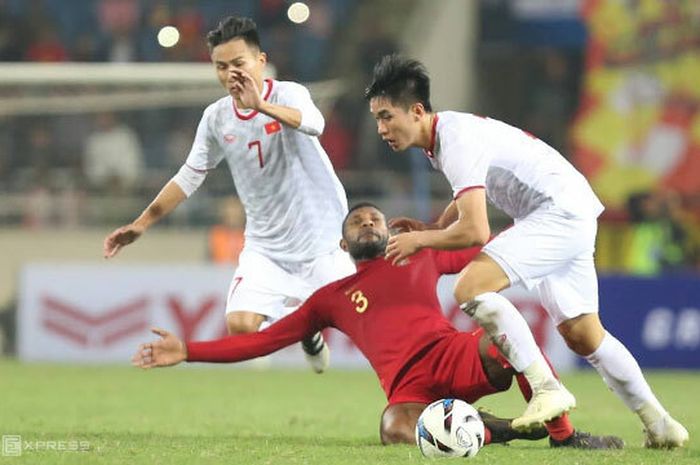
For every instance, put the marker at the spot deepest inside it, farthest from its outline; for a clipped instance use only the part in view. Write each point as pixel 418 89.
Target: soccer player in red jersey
pixel 392 313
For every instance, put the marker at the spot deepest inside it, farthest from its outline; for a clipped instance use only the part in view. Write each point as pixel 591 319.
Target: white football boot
pixel 547 402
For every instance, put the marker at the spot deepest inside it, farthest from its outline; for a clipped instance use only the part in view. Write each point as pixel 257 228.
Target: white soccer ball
pixel 450 428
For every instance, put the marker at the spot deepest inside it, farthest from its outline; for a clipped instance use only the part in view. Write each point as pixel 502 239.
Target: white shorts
pixel 275 289
pixel 552 251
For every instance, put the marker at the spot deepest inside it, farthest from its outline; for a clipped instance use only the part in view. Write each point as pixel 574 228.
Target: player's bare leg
pixel 398 426
pixel 398 423
pixel 476 291
pixel 586 336
pixel 241 322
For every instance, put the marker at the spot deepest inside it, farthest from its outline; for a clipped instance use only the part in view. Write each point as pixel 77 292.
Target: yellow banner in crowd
pixel 638 126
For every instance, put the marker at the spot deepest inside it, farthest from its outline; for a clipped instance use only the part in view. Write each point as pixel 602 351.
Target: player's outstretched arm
pixel 167 199
pixel 167 351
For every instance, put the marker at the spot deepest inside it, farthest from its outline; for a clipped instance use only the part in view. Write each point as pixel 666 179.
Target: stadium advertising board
pixel 658 319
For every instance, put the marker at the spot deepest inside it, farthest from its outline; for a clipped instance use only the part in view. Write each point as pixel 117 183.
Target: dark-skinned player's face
pixel 365 234
pixel 236 54
pixel 396 125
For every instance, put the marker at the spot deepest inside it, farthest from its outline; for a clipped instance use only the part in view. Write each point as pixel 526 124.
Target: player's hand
pixel 402 246
pixel 246 90
pixel 167 351
pixel 119 238
pixel 405 224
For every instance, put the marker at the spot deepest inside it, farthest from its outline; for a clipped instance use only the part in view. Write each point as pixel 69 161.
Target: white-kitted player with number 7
pixel 267 131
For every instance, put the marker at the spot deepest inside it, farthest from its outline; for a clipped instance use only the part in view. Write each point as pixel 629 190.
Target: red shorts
pixel 451 368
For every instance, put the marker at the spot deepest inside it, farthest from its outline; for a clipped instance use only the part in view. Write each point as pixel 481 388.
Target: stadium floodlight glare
pixel 168 36
pixel 298 12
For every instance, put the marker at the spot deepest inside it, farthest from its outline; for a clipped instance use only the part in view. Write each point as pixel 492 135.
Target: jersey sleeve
pixel 465 162
pixel 305 321
pixel 205 153
pixel 298 97
pixel 454 261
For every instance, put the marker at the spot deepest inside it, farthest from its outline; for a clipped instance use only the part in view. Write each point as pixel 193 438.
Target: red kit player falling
pixel 417 354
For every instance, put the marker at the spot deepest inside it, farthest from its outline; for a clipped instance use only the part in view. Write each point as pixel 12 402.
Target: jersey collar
pixel 364 264
pixel 430 152
pixel 267 90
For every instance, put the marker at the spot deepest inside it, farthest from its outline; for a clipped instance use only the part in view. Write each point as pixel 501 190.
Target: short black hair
pixel 357 206
pixel 234 27
pixel 403 81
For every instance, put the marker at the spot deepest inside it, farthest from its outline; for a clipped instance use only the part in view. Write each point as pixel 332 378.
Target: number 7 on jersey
pixel 260 155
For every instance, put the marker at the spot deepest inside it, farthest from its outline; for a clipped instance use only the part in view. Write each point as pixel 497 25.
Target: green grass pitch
pixel 233 416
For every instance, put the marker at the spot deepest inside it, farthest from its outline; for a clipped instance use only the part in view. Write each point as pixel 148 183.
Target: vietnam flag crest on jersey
pixel 273 127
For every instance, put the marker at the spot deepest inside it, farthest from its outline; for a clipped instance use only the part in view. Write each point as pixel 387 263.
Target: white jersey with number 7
pixel 293 200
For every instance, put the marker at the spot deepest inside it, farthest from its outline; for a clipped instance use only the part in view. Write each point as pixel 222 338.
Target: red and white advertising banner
pixel 100 313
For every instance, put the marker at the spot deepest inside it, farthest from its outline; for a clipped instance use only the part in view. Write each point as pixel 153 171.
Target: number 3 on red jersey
pixel 359 298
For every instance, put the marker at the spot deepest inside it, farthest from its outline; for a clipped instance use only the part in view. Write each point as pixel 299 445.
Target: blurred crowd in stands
pixel 55 164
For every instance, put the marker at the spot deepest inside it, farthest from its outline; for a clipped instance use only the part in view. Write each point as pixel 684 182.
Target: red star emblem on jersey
pixel 273 127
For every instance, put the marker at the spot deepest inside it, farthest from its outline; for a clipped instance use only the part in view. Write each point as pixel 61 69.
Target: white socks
pixel 507 328
pixel 621 372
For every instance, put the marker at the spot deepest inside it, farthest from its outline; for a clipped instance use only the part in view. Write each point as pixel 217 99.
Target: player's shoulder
pixel 455 120
pixel 288 87
pixel 217 107
pixel 458 129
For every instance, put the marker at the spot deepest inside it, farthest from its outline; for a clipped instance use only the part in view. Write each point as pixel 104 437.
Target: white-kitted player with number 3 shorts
pixel 267 131
pixel 549 248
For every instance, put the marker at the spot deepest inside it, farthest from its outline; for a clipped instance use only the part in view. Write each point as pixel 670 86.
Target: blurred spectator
pixel 190 22
pixel 46 46
pixel 112 158
pixel 226 239
pixel 661 236
pixel 119 20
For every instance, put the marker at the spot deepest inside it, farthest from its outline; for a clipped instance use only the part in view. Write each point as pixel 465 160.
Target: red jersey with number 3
pixel 390 312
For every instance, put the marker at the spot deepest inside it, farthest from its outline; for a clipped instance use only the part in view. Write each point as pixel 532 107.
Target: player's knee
pixel 499 374
pixel 243 322
pixel 583 335
pixel 466 288
pixel 399 423
pixel 396 430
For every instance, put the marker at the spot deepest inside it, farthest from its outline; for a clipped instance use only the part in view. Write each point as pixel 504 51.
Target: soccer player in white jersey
pixel 549 248
pixel 267 131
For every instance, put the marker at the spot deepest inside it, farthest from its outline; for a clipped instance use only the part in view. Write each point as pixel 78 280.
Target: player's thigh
pixel 398 422
pixel 570 291
pixel 328 268
pixel 462 366
pixel 259 286
pixel 481 275
pixel 540 244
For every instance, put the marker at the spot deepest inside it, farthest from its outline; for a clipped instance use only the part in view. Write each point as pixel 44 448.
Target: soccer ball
pixel 450 428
